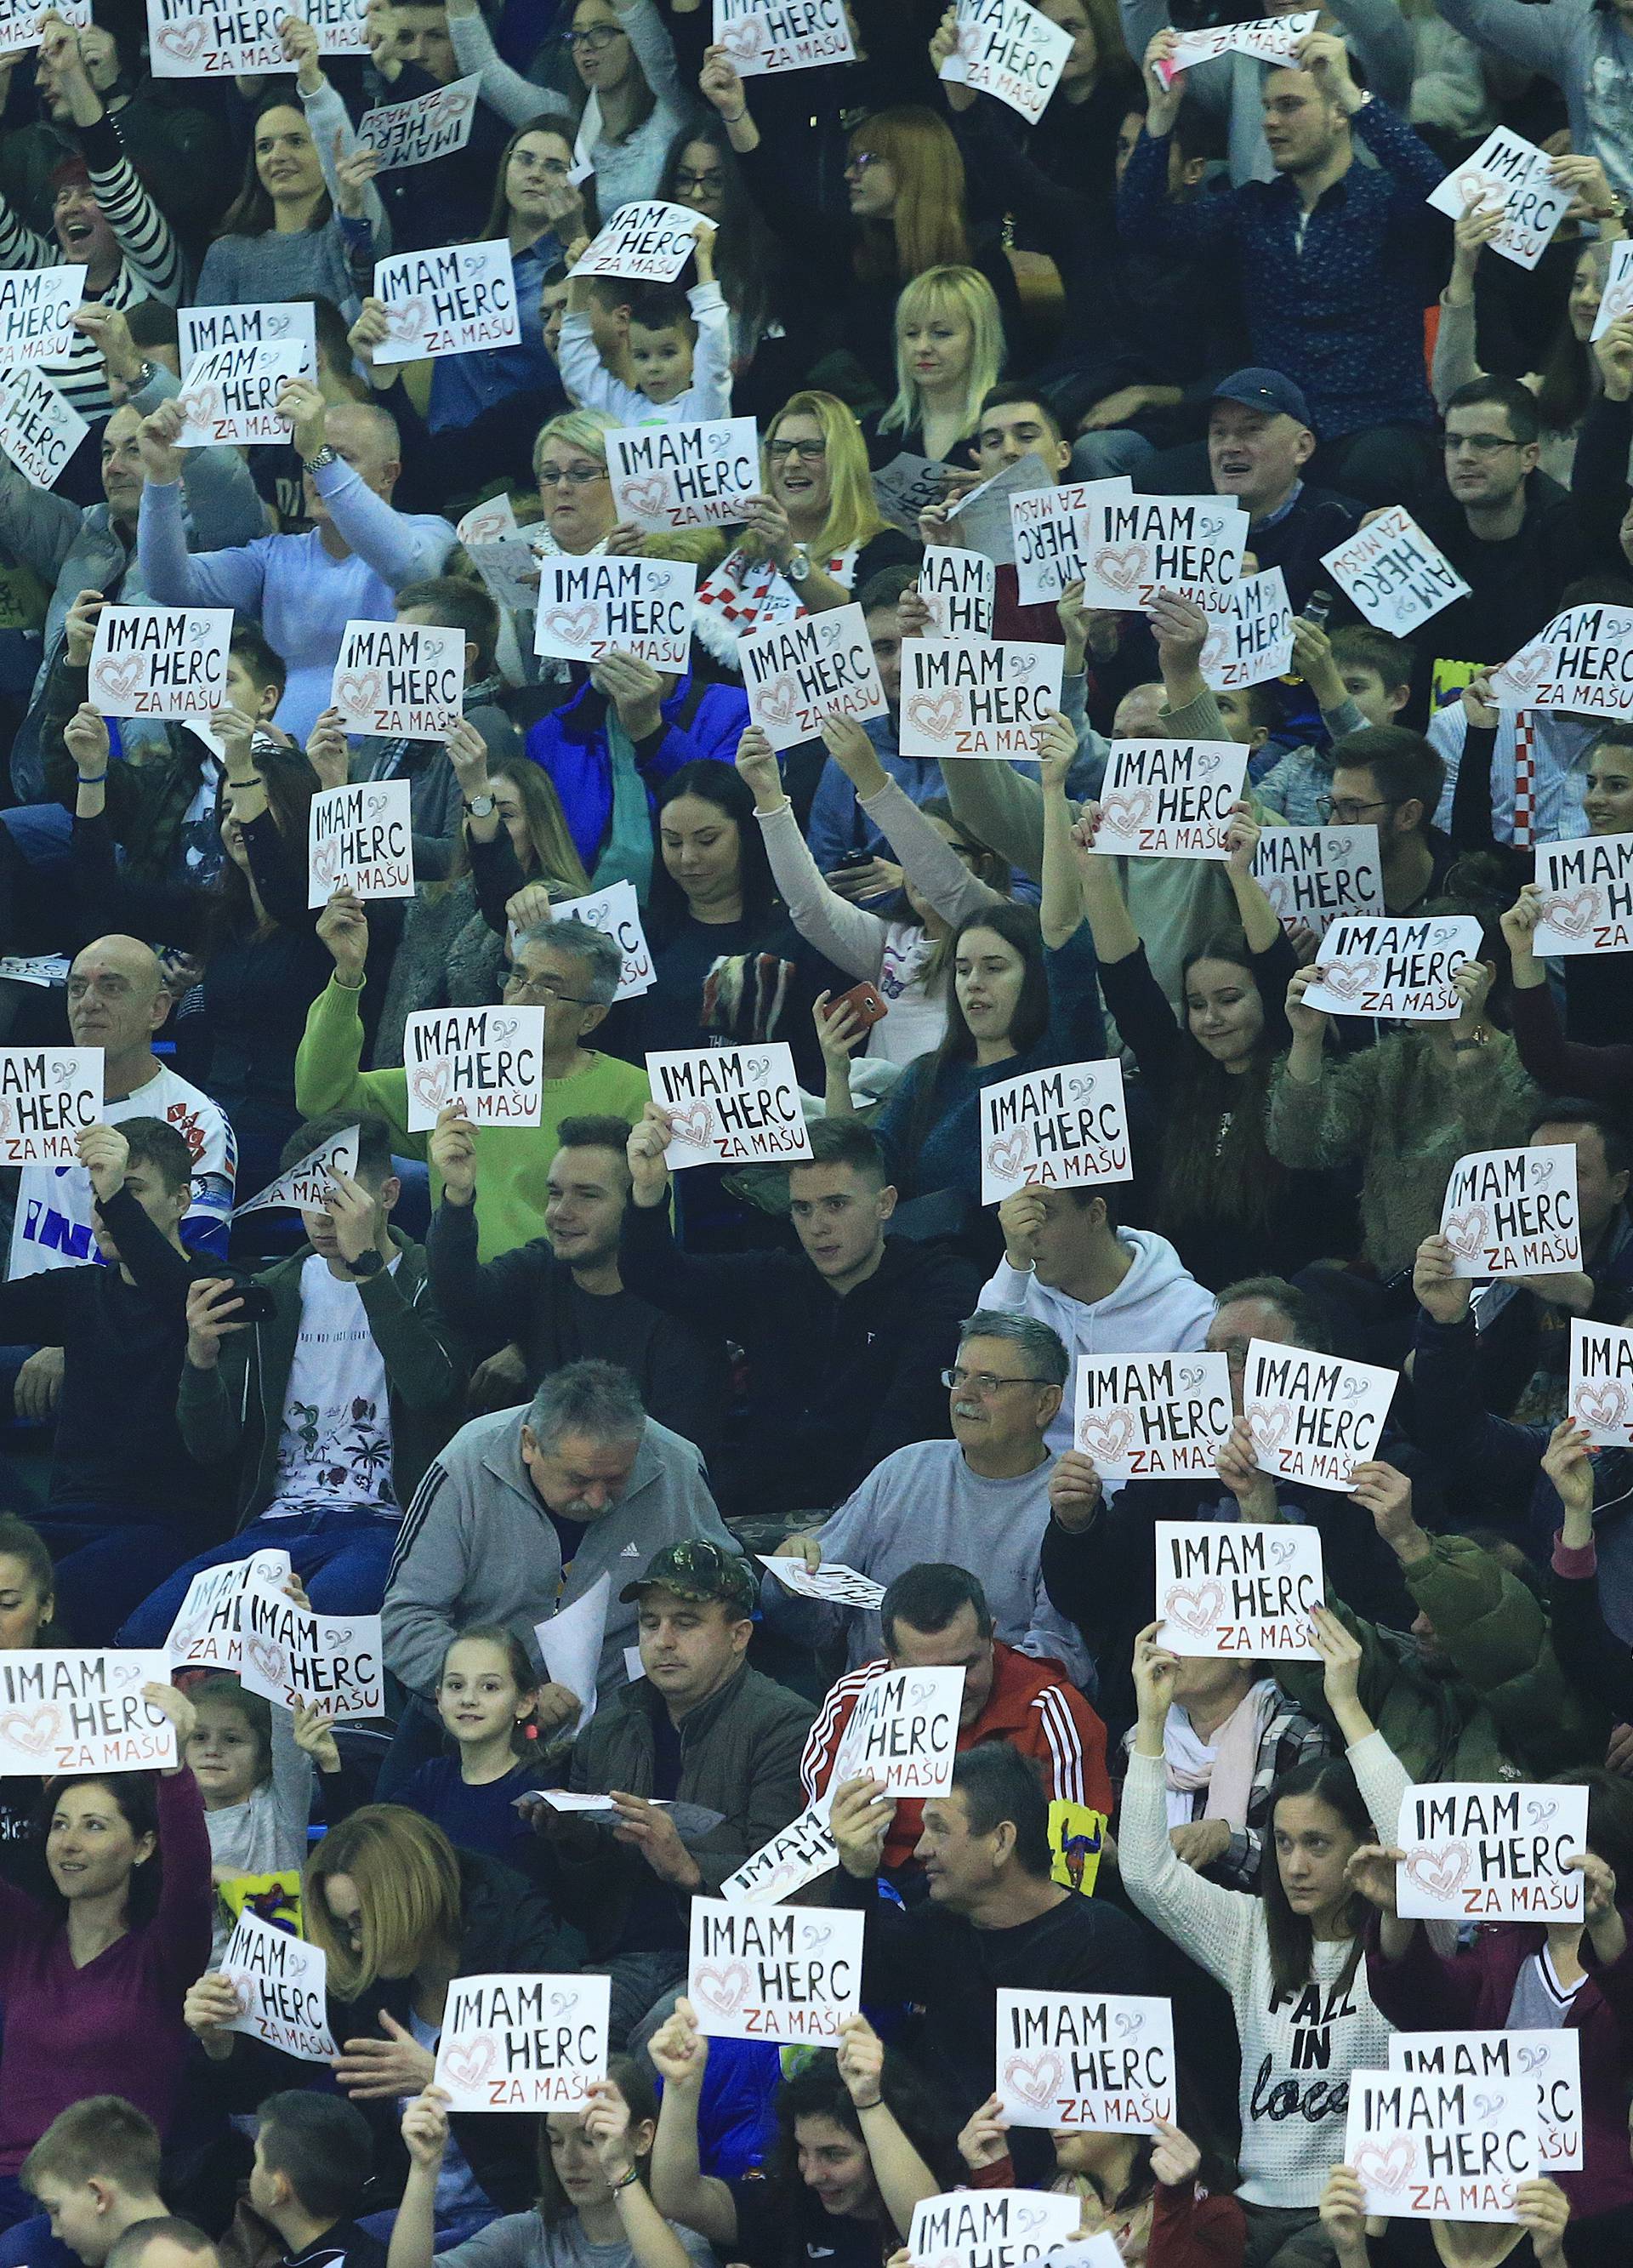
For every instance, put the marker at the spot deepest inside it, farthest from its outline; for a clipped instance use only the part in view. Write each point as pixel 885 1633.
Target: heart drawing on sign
pixel 1387 2168
pixel 185 41
pixel 778 698
pixel 1126 814
pixel 407 318
pixel 1266 1422
pixel 242 1986
pixel 1033 2078
pixel 358 691
pixel 693 1124
pixel 429 1083
pixel 1198 1610
pixel 32 1732
pixel 936 719
pixel 725 1989
pixel 1441 1873
pixel 742 41
pixel 1349 979
pixel 577 624
pixel 1467 1231
pixel 1106 1434
pixel 1578 915
pixel 648 497
pixel 325 860
pixel 1013 1152
pixel 467 2063
pixel 1124 570
pixel 1604 1405
pixel 119 678
pixel 270 1659
pixel 199 405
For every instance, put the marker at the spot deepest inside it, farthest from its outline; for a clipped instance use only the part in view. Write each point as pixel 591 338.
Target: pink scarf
pixel 1224 1766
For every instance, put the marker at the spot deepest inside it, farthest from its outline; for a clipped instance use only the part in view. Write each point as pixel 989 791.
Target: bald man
pixel 303 589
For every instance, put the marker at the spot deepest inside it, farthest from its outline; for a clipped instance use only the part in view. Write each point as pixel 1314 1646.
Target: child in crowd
pixel 94 2173
pixel 1359 676
pixel 486 1697
pixel 252 1764
pixel 677 349
pixel 313 2156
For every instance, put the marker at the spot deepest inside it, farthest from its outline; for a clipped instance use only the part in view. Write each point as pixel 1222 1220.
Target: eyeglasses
pixel 573 476
pixel 983 1383
pixel 1347 812
pixel 1483 444
pixel 553 169
pixel 779 451
pixel 597 37
pixel 542 989
pixel 690 184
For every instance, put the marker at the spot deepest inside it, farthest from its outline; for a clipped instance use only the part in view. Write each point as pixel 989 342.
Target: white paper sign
pixel 160 662
pixel 1250 637
pixel 1272 38
pixel 258 323
pixel 797 674
pixel 1003 2228
pixel 1315 876
pixel 648 240
pixel 784 1973
pixel 1513 1212
pixel 968 696
pixel 459 300
pixel 1049 537
pixel 527 2042
pixel 489 1060
pixel 1493 1850
pixel 1509 172
pixel 803 1852
pixel 601 605
pixel 208 1631
pixel 617 910
pixel 281 1985
pixel 1600 1391
pixel 424 127
pixel 1396 968
pixel 1170 799
pixel 570 1645
pixel 43 968
pixel 684 475
pixel 1393 574
pixel 400 680
pixel 1429 2150
pixel 907 486
pixel 1153 1417
pixel 728 1106
pixel 1616 299
pixel 213 39
pixel 1101 2062
pixel 1055 1129
pixel 39 430
pixel 833 1580
pixel 230 395
pixel 960 589
pixel 1011 50
pixel 765 36
pixel 501 556
pixel 1581 661
pixel 292 1655
pixel 360 838
pixel 983 513
pixel 1139 548
pixel 35 307
pixel 82 1712
pixel 48 1098
pixel 1313 1417
pixel 20 22
pixel 340 25
pixel 903 1733
pixel 1228 1590
pixel 1550 2061
pixel 307 1187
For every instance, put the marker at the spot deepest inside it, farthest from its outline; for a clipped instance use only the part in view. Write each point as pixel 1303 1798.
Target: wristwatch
pixel 366 1263
pixel 480 806
pixel 799 563
pixel 325 456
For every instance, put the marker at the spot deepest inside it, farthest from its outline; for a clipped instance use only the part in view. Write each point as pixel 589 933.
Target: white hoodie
pixel 1157 1308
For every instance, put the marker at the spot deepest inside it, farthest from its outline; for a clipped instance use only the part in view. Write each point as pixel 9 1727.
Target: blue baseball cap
pixel 1267 390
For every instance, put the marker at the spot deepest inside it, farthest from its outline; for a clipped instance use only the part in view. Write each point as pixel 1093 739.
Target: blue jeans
pixel 341 1557
pixel 104 1567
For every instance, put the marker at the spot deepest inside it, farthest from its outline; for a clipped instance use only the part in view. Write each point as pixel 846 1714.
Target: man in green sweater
pixel 565 967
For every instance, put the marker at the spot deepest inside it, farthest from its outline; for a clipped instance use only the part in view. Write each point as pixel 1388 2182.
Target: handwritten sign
pixel 967 696
pixel 762 37
pixel 160 662
pixel 48 1098
pixel 616 910
pixel 360 838
pixel 1396 575
pixel 459 299
pixel 36 305
pixel 207 1632
pixel 803 1852
pixel 215 38
pixel 1153 1417
pixel 424 127
pixel 82 1712
pixel 1616 299
pixel 684 475
pixel 39 430
pixel 728 1105
pixel 1138 549
pixel 527 2042
pixel 1227 1590
pixel 797 674
pixel 1550 2061
pixel 1579 661
pixel 1313 1417
pixel 1011 50
pixel 490 1061
pixel 1049 527
pixel 1270 39
pixel 907 486
pixel 230 395
pixel 501 554
pixel 1600 1396
pixel 601 605
pixel 833 1580
pixel 340 25
pixel 1169 799
pixel 1508 172
pixel 990 2228
pixel 983 513
pixel 292 1655
pixel 960 589
pixel 1432 2149
pixel 1493 1850
pixel 201 331
pixel 1250 636
pixel 774 1972
pixel 282 1987
pixel 1315 876
pixel 1100 2061
pixel 1399 968
pixel 21 20
pixel 1055 1129
pixel 903 1733
pixel 400 680
pixel 648 240
pixel 1513 1212
pixel 307 1187
pixel 42 968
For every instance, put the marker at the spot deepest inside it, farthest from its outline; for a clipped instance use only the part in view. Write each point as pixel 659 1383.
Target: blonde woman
pixel 949 352
pixel 812 538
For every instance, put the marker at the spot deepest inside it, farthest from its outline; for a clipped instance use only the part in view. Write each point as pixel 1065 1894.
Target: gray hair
pixel 1043 1348
pixel 581 940
pixel 594 1399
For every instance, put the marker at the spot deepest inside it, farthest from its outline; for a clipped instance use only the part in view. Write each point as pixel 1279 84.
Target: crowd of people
pixel 489 1373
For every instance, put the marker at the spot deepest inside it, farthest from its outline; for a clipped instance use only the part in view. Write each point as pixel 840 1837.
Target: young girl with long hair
pixel 489 1699
pixel 701 172
pixel 949 352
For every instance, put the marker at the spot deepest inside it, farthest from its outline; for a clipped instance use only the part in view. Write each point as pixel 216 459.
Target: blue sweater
pixel 570 743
